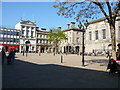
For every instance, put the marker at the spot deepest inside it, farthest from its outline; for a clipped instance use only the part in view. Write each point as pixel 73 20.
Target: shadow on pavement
pixel 23 74
pixel 102 62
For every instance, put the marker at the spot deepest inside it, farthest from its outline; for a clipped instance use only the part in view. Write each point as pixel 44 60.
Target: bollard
pixel 26 54
pixel 61 59
pixel 66 53
pixel 23 53
pixel 39 54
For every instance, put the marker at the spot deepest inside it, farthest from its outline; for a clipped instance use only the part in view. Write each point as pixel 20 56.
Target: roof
pixel 27 22
pixel 43 31
pixel 74 29
pixel 97 20
pixel 101 19
pixel 7 28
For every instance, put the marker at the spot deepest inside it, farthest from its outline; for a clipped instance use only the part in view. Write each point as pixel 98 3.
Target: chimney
pixel 59 28
pixel 72 24
pixel 43 29
pixel 68 26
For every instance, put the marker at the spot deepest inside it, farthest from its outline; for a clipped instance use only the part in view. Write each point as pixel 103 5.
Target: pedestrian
pixel 8 59
pixel 39 52
pixel 12 55
pixel 107 54
pixel 93 52
pixel 3 55
pixel 118 52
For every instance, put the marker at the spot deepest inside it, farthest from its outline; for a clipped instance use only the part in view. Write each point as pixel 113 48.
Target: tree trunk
pixel 113 41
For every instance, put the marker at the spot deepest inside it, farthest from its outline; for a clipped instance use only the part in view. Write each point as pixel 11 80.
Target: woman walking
pixel 3 55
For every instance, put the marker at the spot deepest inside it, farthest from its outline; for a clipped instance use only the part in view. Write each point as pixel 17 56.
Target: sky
pixel 43 13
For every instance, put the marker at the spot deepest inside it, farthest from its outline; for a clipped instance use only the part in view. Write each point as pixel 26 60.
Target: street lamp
pixel 83 28
pixel 54 42
pixel 23 44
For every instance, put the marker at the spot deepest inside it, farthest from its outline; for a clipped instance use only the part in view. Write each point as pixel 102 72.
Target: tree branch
pixel 109 9
pixel 101 8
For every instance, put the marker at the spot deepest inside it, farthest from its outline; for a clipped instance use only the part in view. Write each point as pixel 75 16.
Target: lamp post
pixel 23 44
pixel 54 42
pixel 83 28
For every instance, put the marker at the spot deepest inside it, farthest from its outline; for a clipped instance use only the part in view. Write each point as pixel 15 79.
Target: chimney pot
pixel 59 27
pixel 72 24
pixel 43 28
pixel 68 26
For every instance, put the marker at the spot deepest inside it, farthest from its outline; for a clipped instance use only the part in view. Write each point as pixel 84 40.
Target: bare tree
pixel 89 9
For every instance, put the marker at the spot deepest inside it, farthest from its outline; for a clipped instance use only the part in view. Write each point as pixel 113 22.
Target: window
pixel 104 33
pixel 96 35
pixel 1 39
pixel 27 33
pixel 32 34
pixel 43 41
pixel 77 33
pixel 14 33
pixel 17 33
pixel 5 32
pixel 23 32
pixel 23 27
pixel 32 28
pixel 90 35
pixel 14 40
pixel 40 41
pixel 77 39
pixel 10 40
pixel 28 27
pixel 40 36
pixel 17 40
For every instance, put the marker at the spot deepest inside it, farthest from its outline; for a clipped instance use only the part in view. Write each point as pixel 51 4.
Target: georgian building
pixel 42 40
pixel 98 35
pixel 9 38
pixel 28 31
pixel 74 42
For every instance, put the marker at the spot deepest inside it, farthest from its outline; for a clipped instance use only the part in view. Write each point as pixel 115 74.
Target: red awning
pixel 9 45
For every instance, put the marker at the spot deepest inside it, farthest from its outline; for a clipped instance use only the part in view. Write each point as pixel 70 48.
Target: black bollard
pixel 61 59
pixel 26 54
pixel 23 53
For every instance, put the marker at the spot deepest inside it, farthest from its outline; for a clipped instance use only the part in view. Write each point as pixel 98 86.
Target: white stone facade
pixel 101 41
pixel 42 41
pixel 28 33
pixel 74 42
pixel 9 38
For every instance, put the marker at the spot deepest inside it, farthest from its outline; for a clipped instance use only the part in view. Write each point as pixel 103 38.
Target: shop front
pixel 9 47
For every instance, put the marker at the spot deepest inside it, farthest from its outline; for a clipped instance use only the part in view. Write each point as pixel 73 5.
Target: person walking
pixel 118 52
pixel 12 55
pixel 3 55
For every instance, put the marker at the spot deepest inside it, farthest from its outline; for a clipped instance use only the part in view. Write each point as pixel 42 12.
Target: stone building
pixel 9 38
pixel 74 42
pixel 42 40
pixel 28 33
pixel 98 35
